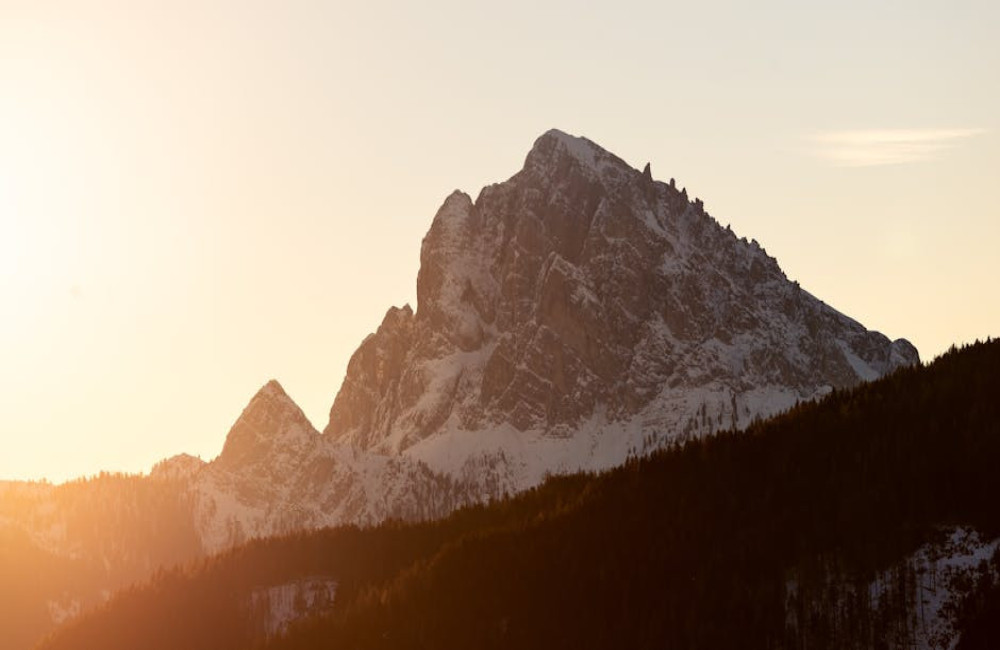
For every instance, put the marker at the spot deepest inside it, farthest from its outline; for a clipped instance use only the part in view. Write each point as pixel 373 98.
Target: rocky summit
pixel 571 317
pixel 582 311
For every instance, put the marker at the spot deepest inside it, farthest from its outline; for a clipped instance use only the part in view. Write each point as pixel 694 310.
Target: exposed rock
pixel 568 318
pixel 271 430
pixel 276 474
pixel 582 288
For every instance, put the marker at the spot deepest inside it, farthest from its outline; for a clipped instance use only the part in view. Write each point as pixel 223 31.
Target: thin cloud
pixel 887 146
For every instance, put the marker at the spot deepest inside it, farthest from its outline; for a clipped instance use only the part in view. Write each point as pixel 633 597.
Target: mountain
pixel 276 474
pixel 577 315
pixel 581 312
pixel 570 317
pixel 866 520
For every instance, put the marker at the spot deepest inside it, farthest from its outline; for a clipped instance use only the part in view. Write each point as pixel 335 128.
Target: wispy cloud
pixel 886 146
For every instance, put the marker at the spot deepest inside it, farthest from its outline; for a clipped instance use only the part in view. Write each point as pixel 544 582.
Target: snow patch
pixel 911 604
pixel 274 608
pixel 943 572
pixel 63 609
pixel 863 370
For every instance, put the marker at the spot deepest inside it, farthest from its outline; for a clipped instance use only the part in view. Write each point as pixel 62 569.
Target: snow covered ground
pixel 944 572
pixel 910 605
pixel 275 607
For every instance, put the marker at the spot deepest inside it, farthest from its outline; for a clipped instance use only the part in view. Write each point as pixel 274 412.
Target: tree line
pixel 692 547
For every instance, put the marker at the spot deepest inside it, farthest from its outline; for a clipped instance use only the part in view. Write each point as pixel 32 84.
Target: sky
pixel 197 197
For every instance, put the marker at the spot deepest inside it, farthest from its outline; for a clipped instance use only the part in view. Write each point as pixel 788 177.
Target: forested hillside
pixel 726 542
pixel 66 548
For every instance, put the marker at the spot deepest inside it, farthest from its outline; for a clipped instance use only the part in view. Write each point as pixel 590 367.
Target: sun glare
pixel 11 237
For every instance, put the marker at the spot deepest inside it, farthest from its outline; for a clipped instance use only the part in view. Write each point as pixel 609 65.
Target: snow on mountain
pixel 574 315
pixel 274 608
pixel 276 474
pixel 581 312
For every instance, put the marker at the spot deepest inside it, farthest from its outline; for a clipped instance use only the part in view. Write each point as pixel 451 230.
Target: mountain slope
pixel 67 548
pixel 816 529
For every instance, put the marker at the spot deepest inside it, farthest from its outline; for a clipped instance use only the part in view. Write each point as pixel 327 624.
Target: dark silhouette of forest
pixel 692 547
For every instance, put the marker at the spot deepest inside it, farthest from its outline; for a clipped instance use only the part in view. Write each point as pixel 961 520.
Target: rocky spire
pixel 270 422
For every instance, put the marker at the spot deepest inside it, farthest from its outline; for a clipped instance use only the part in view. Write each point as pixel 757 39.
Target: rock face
pixel 570 317
pixel 276 474
pixel 582 295
pixel 271 432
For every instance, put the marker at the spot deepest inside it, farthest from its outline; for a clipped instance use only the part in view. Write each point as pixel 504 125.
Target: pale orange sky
pixel 196 197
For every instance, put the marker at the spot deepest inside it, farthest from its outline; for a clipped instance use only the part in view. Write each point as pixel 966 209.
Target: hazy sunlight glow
pixel 198 197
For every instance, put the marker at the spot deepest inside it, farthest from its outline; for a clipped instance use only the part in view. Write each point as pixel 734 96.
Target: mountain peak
pixel 567 138
pixel 272 390
pixel 554 140
pixel 270 416
pixel 580 292
pixel 559 155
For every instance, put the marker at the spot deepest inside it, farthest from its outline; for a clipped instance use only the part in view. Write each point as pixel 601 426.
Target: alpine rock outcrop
pixel 582 311
pixel 574 315
pixel 277 474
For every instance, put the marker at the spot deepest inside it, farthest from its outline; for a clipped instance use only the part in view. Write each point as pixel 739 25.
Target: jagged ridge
pixel 582 294
pixel 574 315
